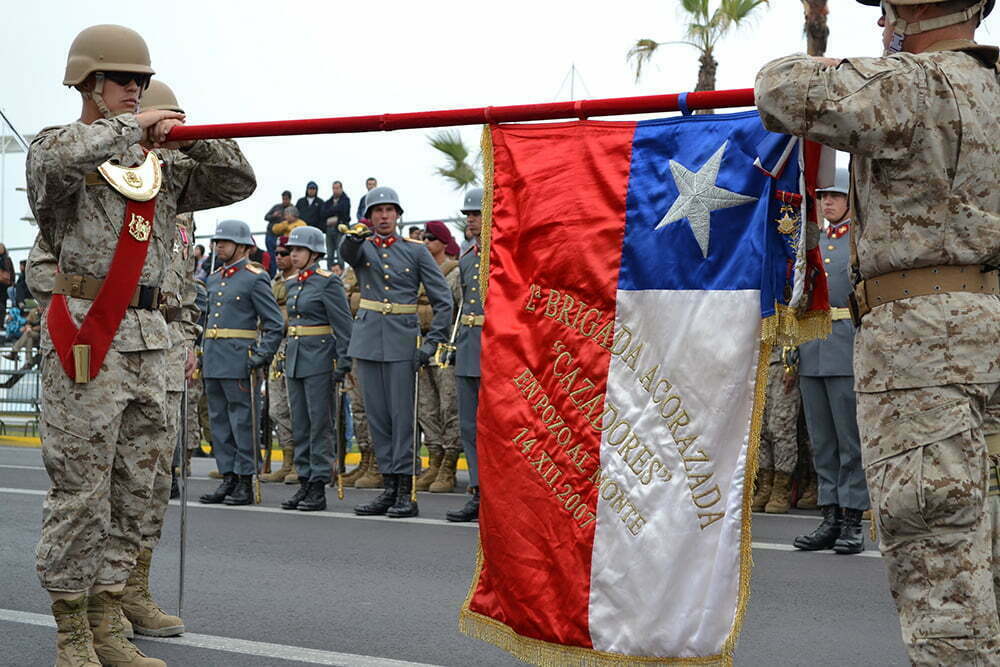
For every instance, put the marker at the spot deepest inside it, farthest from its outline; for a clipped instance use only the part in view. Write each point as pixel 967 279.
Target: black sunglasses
pixel 282 253
pixel 430 237
pixel 125 78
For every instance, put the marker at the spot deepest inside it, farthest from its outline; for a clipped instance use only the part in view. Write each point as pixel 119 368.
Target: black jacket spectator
pixel 21 291
pixel 312 211
pixel 341 208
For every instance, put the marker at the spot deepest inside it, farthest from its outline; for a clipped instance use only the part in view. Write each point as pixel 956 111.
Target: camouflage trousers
pixel 358 413
pixel 278 410
pixel 779 437
pixel 101 442
pixel 195 391
pixel 928 469
pixel 437 409
pixel 152 521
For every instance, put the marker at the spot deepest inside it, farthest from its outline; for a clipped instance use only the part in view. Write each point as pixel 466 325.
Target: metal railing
pixel 20 389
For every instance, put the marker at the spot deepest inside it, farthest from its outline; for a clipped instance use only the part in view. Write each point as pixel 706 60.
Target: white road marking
pixel 13 467
pixel 241 646
pixel 765 546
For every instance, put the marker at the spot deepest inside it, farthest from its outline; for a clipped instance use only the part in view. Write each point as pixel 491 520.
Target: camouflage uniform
pixel 101 440
pixel 778 441
pixel 437 409
pixel 922 130
pixel 179 297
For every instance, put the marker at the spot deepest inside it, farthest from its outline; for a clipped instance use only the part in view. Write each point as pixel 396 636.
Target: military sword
pixel 257 495
pixel 416 427
pixel 338 434
pixel 444 350
pixel 182 437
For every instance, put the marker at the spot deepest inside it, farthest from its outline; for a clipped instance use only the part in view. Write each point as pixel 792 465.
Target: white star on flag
pixel 699 196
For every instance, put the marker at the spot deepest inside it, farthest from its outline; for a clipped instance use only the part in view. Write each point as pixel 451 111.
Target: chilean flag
pixel 635 272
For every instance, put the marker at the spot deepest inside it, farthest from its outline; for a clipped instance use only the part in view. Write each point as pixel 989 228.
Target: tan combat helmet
pixel 901 29
pixel 105 48
pixel 159 96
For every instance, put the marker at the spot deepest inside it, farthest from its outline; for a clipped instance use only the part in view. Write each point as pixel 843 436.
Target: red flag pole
pixel 709 99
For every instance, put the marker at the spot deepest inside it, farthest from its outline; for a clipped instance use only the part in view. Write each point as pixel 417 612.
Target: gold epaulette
pixel 324 273
pixel 407 238
pixel 253 267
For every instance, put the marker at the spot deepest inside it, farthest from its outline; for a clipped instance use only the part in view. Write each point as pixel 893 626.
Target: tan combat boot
pixel 445 481
pixel 765 481
pixel 359 470
pixel 781 493
pixel 430 473
pixel 371 479
pixel 809 500
pixel 110 644
pixel 215 474
pixel 74 641
pixel 279 475
pixel 137 603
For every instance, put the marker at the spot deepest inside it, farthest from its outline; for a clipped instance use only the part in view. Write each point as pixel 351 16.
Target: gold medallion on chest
pixel 139 228
pixel 140 183
pixel 788 223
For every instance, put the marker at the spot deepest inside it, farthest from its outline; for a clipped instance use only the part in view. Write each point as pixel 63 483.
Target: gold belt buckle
pixel 387 309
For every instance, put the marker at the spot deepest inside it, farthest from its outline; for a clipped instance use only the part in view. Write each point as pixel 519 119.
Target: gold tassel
pixel 485 234
pixel 786 327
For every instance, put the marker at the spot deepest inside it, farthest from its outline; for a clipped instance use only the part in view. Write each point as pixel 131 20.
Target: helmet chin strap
pixel 901 29
pixel 97 95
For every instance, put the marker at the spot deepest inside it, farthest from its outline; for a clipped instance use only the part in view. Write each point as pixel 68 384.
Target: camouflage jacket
pixel 179 294
pixel 80 216
pixel 922 130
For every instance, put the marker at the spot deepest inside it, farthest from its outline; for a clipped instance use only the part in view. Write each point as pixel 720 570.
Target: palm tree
pixel 817 30
pixel 458 171
pixel 704 31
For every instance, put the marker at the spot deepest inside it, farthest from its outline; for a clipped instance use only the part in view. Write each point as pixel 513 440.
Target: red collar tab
pixel 836 231
pixel 383 243
pixel 305 274
pixel 230 271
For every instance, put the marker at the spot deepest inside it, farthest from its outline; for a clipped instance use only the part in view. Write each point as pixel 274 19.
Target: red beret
pixel 443 234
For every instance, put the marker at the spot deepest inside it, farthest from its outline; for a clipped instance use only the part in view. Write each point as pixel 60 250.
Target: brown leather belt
pixel 87 287
pixel 880 290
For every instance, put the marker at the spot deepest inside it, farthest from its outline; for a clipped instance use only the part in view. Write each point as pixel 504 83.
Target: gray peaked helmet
pixel 309 238
pixel 473 201
pixel 236 231
pixel 381 195
pixel 841 183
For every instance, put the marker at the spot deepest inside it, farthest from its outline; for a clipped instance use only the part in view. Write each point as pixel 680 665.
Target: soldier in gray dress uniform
pixel 468 345
pixel 826 380
pixel 319 330
pixel 239 297
pixel 390 270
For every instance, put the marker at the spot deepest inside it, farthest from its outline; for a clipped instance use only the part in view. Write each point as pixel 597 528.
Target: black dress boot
pixel 404 506
pixel 826 533
pixel 293 502
pixel 225 488
pixel 852 539
pixel 468 513
pixel 315 499
pixel 242 494
pixel 383 501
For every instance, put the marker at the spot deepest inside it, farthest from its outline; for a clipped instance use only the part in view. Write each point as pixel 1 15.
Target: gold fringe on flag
pixel 485 234
pixel 787 327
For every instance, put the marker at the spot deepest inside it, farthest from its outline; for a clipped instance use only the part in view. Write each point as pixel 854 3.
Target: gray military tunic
pixel 383 344
pixel 238 297
pixel 468 344
pixel 826 380
pixel 316 298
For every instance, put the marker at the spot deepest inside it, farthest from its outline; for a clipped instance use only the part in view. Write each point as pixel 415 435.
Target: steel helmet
pixel 236 231
pixel 309 238
pixel 473 202
pixel 159 96
pixel 841 183
pixel 106 48
pixel 901 28
pixel 381 195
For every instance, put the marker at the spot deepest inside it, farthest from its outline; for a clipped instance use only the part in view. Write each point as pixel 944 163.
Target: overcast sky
pixel 256 60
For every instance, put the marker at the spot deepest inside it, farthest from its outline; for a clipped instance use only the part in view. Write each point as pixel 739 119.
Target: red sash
pixel 107 311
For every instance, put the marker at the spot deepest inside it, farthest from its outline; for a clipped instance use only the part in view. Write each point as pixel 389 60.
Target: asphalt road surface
pixel 267 587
